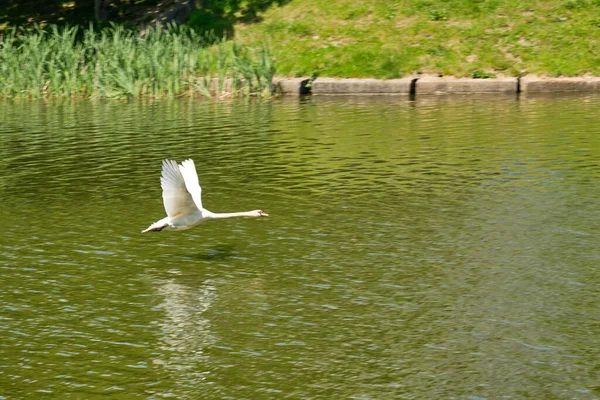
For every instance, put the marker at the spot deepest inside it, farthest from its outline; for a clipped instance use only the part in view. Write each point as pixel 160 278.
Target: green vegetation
pixel 395 38
pixel 115 62
pixel 338 38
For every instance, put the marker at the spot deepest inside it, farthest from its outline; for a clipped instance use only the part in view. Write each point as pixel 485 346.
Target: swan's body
pixel 183 201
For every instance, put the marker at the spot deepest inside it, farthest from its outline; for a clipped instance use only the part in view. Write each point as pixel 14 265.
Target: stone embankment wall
pixel 428 85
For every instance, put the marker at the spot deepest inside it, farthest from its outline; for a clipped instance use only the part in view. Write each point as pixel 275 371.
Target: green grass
pixel 115 62
pixel 390 39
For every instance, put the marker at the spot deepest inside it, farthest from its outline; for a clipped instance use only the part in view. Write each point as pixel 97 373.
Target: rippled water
pixel 443 248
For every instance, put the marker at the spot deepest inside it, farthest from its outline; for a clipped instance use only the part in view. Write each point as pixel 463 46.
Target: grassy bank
pixel 389 39
pixel 115 62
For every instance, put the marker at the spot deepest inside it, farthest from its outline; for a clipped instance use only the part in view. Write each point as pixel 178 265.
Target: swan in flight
pixel 181 196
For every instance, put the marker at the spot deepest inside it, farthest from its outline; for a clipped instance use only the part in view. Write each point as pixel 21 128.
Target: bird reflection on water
pixel 185 332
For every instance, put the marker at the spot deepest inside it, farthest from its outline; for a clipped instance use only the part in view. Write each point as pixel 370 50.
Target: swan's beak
pixel 263 214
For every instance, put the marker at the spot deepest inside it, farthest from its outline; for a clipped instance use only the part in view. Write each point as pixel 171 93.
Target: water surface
pixel 438 248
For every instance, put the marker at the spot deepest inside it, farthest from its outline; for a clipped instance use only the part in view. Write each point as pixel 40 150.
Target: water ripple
pixel 410 243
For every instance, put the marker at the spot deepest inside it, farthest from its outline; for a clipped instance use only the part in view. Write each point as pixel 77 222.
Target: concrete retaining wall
pixel 428 85
pixel 434 85
pixel 534 84
pixel 291 86
pixel 362 86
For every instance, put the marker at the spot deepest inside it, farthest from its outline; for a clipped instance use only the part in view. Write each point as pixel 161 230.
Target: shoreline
pixel 433 85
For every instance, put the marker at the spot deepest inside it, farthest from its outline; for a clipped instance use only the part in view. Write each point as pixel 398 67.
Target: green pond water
pixel 438 248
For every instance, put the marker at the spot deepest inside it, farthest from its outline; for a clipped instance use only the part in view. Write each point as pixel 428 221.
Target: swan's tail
pixel 157 226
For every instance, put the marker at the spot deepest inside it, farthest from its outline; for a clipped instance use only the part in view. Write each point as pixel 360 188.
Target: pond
pixel 438 248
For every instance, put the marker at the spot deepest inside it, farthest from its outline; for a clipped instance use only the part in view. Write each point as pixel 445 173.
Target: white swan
pixel 182 199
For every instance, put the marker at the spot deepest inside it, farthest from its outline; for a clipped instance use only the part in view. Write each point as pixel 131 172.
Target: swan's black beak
pixel 263 214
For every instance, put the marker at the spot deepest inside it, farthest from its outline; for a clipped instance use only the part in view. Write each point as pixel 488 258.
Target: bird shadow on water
pixel 217 253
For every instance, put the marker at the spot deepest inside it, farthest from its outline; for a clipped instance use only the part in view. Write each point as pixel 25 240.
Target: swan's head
pixel 259 213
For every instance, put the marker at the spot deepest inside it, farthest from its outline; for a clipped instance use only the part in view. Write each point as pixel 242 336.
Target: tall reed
pixel 116 62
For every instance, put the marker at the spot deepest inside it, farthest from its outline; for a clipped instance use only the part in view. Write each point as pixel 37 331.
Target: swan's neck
pixel 213 215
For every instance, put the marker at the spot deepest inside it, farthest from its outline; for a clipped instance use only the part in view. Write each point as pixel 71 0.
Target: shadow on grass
pixel 218 16
pixel 72 12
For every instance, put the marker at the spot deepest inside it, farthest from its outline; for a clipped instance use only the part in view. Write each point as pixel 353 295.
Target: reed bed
pixel 116 62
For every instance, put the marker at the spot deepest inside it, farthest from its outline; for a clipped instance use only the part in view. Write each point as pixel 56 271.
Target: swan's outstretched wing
pixel 188 169
pixel 176 198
